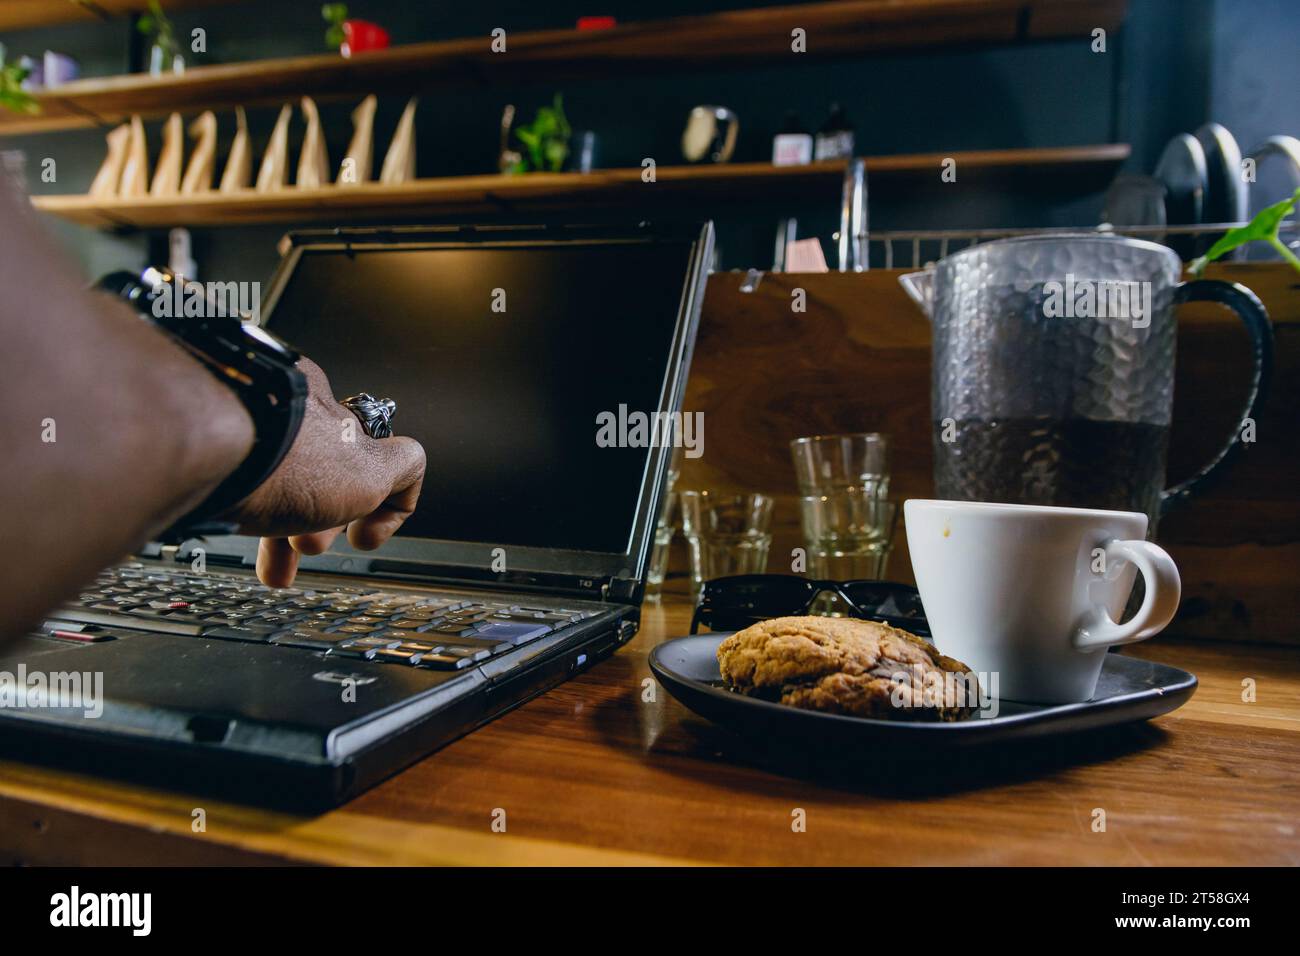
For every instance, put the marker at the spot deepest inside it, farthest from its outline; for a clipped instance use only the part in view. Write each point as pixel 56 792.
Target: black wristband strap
pixel 255 365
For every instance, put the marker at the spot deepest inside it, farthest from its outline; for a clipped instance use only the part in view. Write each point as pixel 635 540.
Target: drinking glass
pixel 664 531
pixel 848 536
pixel 665 527
pixel 848 521
pixel 850 463
pixel 727 534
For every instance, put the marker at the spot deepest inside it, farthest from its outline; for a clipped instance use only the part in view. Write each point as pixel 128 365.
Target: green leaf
pixel 12 96
pixel 1263 227
pixel 545 139
pixel 557 151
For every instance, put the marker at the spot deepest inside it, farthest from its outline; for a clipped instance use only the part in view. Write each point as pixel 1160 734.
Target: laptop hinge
pixel 622 591
pixel 188 552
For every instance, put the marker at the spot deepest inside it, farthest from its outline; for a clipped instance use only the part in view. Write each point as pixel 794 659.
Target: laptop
pixel 523 565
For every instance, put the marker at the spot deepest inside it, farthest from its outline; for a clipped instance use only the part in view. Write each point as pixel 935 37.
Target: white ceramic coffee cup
pixel 1033 592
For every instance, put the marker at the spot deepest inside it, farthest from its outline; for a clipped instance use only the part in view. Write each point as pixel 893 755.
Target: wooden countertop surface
pixel 593 774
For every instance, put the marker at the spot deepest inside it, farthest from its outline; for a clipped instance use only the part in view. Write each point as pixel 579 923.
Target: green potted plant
pixel 12 95
pixel 545 140
pixel 165 55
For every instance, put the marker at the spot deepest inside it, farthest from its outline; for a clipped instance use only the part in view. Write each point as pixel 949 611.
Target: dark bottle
pixel 835 138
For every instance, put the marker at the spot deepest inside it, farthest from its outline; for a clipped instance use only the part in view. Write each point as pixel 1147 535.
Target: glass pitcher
pixel 1053 370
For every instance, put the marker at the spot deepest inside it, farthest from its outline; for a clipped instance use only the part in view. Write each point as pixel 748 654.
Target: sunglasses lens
pixel 896 604
pixel 728 602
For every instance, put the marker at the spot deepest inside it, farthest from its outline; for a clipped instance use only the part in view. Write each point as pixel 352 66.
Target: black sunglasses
pixel 734 603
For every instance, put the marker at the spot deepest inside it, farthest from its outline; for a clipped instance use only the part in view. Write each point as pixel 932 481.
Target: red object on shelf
pixel 596 23
pixel 361 36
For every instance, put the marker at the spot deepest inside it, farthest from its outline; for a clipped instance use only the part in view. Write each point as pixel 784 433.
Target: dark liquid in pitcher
pixel 1118 466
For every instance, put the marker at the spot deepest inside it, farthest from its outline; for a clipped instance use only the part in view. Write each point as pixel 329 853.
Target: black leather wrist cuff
pixel 275 397
pixel 253 364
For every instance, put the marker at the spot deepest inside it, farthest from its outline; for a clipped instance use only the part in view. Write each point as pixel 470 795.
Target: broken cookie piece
pixel 847 666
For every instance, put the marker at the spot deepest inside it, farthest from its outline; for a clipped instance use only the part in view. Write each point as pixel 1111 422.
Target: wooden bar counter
pixel 608 769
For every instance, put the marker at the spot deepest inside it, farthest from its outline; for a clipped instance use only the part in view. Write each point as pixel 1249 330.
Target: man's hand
pixel 334 477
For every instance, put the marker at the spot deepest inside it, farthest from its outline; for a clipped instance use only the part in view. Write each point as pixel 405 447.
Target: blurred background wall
pixel 1174 65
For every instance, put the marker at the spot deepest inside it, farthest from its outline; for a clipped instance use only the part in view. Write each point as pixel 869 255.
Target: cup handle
pixel 1163 589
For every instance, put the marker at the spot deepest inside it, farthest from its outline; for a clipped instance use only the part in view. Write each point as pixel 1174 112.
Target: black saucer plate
pixel 1129 690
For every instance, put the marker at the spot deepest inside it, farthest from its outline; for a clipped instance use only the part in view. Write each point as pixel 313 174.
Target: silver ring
pixel 375 414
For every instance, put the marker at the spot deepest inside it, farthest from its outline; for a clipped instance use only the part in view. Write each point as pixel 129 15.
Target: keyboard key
pixel 275 618
pixel 448 629
pixel 420 647
pixel 469 653
pixel 521 619
pixel 440 604
pixel 511 633
pixel 157 624
pixel 227 617
pixel 422 617
pixel 395 655
pixel 325 617
pixel 376 642
pixel 356 629
pixel 492 647
pixel 358 653
pixel 394 603
pixel 309 638
pixel 468 617
pixel 443 662
pixel 402 637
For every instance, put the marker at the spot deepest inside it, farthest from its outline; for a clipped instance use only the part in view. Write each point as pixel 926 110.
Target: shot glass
pixel 848 521
pixel 664 531
pixel 856 463
pixel 726 534
pixel 665 528
pixel 848 537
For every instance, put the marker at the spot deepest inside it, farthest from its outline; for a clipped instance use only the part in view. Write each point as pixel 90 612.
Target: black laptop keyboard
pixel 439 630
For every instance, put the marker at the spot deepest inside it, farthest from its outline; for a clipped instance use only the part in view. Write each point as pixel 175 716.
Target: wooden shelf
pixel 716 40
pixel 1077 169
pixel 25 14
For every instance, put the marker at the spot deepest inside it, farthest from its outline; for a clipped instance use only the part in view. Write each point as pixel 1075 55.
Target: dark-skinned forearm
pixel 111 431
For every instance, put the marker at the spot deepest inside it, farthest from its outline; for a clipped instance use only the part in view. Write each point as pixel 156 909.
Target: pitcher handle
pixel 1251 311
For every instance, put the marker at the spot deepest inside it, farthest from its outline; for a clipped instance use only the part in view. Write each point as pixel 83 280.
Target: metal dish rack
pixel 854 239
pixel 951 240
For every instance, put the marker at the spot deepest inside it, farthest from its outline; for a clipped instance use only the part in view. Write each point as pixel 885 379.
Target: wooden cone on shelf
pixel 314 162
pixel 238 173
pixel 135 170
pixel 399 163
pixel 355 168
pixel 273 175
pixel 106 180
pixel 167 174
pixel 203 160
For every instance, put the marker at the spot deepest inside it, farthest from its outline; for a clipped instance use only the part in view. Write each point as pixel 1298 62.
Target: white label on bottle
pixel 792 149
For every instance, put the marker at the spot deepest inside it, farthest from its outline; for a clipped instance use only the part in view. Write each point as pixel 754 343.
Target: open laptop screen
pixel 500 358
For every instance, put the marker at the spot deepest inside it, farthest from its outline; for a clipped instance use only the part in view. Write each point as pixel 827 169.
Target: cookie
pixel 847 666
